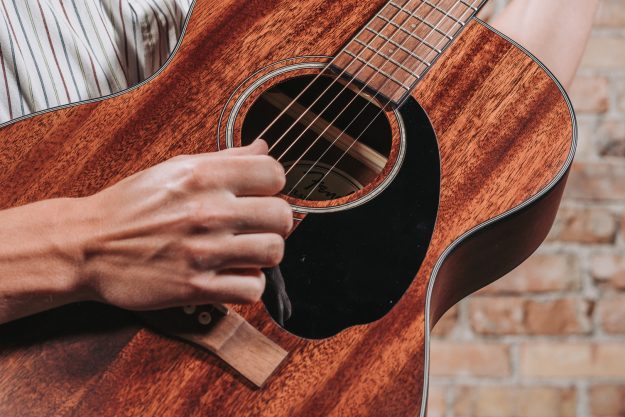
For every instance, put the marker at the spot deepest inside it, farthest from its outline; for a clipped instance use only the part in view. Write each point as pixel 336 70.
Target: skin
pixel 193 230
pixel 198 229
pixel 556 31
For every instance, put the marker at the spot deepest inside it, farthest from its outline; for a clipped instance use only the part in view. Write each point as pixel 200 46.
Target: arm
pixel 556 31
pixel 193 230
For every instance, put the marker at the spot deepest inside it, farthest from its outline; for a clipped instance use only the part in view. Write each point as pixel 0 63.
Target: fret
pixel 383 55
pixel 414 31
pixel 361 73
pixel 452 10
pixel 411 43
pixel 379 70
pixel 445 14
pixel 410 56
pixel 399 45
pixel 470 6
pixel 403 48
pixel 407 32
pixel 425 22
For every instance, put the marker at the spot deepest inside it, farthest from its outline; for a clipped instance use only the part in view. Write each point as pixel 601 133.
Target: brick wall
pixel 548 340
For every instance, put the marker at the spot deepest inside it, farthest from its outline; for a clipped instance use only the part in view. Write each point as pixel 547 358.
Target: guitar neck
pixel 401 42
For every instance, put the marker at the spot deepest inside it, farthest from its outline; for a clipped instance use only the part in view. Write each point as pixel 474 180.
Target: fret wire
pixel 409 33
pixel 399 64
pixel 403 48
pixel 436 29
pixel 470 6
pixel 446 14
pixel 381 71
pixel 340 157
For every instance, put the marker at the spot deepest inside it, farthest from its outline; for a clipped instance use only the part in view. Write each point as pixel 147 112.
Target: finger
pixel 240 287
pixel 258 147
pixel 253 175
pixel 242 251
pixel 263 214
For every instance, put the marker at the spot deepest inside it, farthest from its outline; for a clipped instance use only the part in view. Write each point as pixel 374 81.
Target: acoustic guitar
pixel 426 156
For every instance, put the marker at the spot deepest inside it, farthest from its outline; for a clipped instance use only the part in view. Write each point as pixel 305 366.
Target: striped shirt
pixel 54 52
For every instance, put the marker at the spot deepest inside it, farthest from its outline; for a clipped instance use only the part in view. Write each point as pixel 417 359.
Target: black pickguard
pixel 350 267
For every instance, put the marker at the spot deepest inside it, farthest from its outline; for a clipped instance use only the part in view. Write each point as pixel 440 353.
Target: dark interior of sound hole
pixel 331 140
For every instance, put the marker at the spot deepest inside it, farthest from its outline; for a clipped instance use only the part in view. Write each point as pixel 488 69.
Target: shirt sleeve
pixel 148 31
pixel 57 52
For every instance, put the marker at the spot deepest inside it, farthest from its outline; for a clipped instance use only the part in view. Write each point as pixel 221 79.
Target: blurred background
pixel 548 340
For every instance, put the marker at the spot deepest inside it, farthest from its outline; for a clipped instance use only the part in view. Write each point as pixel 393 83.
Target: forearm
pixel 38 258
pixel 556 31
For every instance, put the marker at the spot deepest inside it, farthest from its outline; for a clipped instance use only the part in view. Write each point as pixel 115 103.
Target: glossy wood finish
pixel 504 132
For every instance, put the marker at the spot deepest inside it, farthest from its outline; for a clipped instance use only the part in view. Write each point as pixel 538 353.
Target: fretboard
pixel 399 45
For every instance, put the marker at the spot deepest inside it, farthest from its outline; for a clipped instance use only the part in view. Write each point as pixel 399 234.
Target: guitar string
pixel 356 58
pixel 362 132
pixel 353 78
pixel 473 3
pixel 359 92
pixel 323 71
pixel 446 15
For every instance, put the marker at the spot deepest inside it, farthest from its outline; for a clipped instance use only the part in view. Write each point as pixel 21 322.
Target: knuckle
pixel 192 175
pixel 257 288
pixel 283 214
pixel 197 213
pixel 280 176
pixel 286 216
pixel 274 250
pixel 210 213
pixel 197 174
pixel 260 287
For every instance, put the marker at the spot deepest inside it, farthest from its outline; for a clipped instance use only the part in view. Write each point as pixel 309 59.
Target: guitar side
pixel 497 114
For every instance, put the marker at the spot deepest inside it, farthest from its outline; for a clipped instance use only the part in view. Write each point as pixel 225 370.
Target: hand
pixel 193 230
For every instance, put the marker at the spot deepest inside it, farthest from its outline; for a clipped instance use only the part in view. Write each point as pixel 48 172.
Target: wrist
pixel 74 231
pixel 41 254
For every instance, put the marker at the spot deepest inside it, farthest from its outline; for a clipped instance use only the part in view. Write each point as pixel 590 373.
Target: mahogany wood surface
pixel 504 132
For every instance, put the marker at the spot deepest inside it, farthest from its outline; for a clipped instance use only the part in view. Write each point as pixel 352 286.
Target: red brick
pixel 605 52
pixel 609 270
pixel 589 94
pixel 496 401
pixel 469 359
pixel 553 317
pixel 497 315
pixel 587 137
pixel 436 401
pixel 607 400
pixel 572 359
pixel 611 138
pixel 611 313
pixel 593 181
pixel 447 323
pixel 600 136
pixel 584 225
pixel 511 315
pixel 542 272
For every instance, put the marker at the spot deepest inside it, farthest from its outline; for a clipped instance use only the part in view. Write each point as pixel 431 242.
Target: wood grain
pixel 504 132
pixel 224 333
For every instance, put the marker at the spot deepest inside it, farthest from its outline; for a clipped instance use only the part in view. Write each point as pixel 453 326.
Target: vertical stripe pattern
pixel 55 52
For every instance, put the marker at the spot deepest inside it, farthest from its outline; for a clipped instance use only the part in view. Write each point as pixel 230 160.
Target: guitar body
pixel 480 155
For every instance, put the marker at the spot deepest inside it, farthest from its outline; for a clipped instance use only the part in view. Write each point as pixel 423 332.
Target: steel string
pixel 361 133
pixel 447 14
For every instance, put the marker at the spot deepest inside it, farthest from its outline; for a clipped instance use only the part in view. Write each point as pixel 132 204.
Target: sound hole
pixel 331 141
